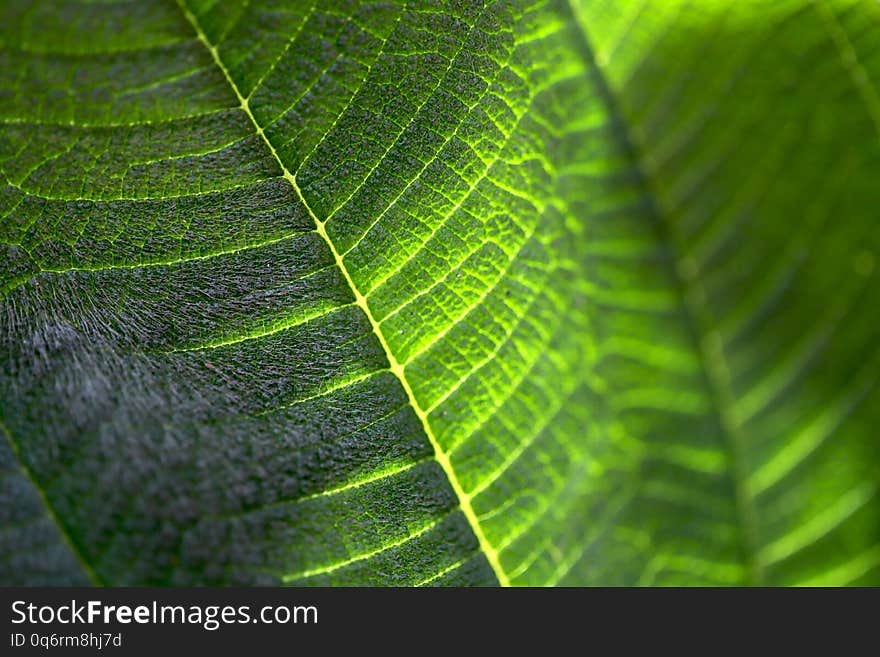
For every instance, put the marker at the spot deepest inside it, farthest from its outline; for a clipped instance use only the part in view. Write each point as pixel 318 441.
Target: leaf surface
pixel 439 293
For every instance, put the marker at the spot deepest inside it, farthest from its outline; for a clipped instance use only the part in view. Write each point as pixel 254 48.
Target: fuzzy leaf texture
pixel 365 292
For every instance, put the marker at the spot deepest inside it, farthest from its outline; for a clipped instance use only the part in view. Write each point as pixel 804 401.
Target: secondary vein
pixel 396 367
pixel 71 544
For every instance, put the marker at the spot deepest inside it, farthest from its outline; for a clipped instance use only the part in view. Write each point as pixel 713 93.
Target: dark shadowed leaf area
pixel 526 292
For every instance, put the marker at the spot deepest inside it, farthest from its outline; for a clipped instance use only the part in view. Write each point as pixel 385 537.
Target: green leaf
pixel 519 292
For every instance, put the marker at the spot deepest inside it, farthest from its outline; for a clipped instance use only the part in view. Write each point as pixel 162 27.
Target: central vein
pixel 396 367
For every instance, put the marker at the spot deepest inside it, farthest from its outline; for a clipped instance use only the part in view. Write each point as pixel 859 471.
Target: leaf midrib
pixel 699 316
pixel 396 367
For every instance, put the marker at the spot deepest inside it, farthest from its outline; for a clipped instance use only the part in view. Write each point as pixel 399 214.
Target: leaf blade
pixel 487 235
